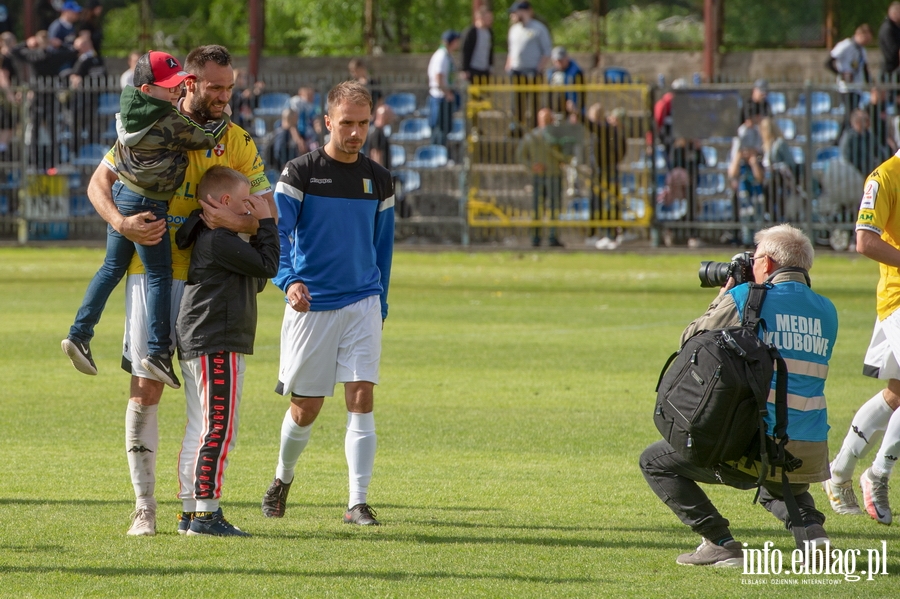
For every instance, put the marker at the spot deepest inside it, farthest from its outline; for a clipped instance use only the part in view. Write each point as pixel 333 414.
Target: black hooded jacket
pixel 218 308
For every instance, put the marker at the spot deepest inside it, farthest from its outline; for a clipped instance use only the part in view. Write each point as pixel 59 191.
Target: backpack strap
pixel 755 300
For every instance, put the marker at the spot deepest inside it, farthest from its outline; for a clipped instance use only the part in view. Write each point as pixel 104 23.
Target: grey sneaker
pixel 362 514
pixel 842 498
pixel 273 502
pixel 161 366
pixel 875 497
pixel 729 555
pixel 143 522
pixel 80 354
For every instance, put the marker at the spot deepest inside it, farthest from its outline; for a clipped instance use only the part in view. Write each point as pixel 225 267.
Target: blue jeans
pixel 440 119
pixel 157 260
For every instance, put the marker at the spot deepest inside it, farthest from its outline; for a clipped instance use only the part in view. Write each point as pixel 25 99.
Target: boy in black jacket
pixel 216 327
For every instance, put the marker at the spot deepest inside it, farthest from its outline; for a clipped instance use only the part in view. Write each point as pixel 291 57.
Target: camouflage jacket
pixel 153 141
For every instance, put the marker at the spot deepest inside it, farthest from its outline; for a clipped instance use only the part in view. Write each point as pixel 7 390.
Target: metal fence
pixel 612 172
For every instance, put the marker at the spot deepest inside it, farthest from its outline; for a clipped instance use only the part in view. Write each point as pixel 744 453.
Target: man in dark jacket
pixel 478 47
pixel 216 327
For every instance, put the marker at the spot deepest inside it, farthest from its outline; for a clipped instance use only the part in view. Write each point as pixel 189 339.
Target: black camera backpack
pixel 712 394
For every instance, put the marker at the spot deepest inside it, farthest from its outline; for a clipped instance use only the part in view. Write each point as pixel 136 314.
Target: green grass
pixel 516 396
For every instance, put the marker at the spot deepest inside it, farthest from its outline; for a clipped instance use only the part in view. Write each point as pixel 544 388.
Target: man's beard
pixel 200 110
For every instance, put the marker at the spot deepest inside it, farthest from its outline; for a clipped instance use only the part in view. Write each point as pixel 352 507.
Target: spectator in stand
pixel 9 97
pixel 565 71
pixel 478 47
pixel 378 145
pixel 360 73
pixel 245 98
pixel 84 100
pixel 442 99
pixel 63 30
pixel 758 102
pixel 859 146
pixel 779 167
pixel 850 61
pixel 528 57
pixel 889 43
pixel 308 113
pixel 880 119
pixel 746 176
pixel 127 77
pixel 287 143
pixel 662 116
pixel 541 155
pixel 608 149
pixel 92 21
pixel 45 63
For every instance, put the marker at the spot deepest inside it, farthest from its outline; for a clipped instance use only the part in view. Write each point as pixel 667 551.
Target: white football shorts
pixel 321 349
pixel 882 359
pixel 134 345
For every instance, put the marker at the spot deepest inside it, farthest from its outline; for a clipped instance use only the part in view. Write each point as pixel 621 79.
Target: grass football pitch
pixel 516 396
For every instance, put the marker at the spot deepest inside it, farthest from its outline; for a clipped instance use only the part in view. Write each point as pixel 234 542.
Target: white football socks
pixel 293 441
pixel 890 448
pixel 871 419
pixel 359 447
pixel 141 442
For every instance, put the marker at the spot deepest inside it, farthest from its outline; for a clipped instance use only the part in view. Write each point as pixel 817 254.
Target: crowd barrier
pixel 610 170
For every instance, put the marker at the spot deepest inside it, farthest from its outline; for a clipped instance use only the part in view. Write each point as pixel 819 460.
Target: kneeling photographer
pixel 803 326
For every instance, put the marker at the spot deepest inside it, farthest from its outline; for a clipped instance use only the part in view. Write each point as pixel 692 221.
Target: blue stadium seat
pixel 711 183
pixel 108 104
pixel 402 103
pixel 821 104
pixel 616 75
pixel 110 134
pixel 710 156
pixel 272 104
pixel 788 128
pixel 409 180
pixel 825 130
pixel 430 156
pixel 398 155
pixel 412 129
pixel 797 153
pixel 458 133
pixel 826 154
pixel 777 101
pixel 90 155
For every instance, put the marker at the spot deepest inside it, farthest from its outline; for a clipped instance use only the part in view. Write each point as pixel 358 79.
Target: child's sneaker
pixel 80 354
pixel 161 366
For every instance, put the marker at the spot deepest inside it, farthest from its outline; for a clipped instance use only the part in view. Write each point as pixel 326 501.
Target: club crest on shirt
pixel 367 186
pixel 869 195
pixel 219 149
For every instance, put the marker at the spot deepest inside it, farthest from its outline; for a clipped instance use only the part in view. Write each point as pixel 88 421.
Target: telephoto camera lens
pixel 714 274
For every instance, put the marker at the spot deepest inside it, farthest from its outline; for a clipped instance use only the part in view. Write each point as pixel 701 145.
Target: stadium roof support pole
pixel 257 35
pixel 711 26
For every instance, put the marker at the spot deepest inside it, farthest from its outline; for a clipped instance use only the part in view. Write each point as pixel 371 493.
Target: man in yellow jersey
pixel 206 98
pixel 877 237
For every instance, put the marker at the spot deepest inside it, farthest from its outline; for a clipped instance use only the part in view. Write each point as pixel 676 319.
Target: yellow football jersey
pixel 879 212
pixel 236 150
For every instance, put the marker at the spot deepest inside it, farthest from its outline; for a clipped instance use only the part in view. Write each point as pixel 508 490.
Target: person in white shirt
pixel 442 97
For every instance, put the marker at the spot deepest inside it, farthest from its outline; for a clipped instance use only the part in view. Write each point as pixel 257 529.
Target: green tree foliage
pixel 336 27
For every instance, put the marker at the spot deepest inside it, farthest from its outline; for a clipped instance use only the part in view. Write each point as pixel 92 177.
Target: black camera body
pixel 716 274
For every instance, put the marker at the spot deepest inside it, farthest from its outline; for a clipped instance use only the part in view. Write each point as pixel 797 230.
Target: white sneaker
pixel 842 498
pixel 875 497
pixel 143 522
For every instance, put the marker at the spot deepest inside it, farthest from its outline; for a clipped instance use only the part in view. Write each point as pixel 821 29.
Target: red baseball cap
pixel 159 68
